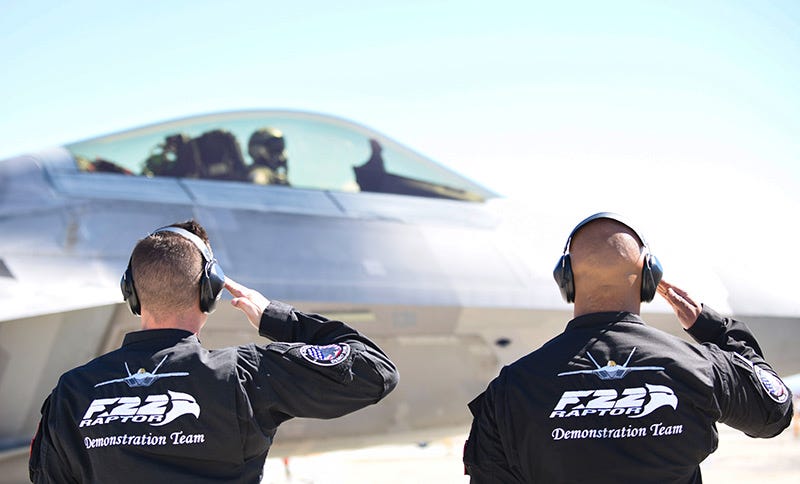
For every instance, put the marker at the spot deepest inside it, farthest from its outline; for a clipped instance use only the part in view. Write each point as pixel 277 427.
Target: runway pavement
pixel 738 459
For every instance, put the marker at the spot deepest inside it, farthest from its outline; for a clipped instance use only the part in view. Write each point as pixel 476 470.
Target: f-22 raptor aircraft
pixel 313 210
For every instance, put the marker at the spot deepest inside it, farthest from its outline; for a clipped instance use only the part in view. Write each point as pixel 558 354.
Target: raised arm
pixel 750 395
pixel 316 367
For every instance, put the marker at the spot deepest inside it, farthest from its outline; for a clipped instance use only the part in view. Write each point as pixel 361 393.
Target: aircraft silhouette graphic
pixel 612 371
pixel 143 378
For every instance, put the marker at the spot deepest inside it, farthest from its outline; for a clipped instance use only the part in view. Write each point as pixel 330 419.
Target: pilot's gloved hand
pixel 252 303
pixel 684 306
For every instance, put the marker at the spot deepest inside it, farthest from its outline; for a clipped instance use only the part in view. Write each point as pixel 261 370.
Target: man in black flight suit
pixel 612 400
pixel 164 409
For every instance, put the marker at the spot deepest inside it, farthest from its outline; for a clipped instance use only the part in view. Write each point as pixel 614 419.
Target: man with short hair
pixel 164 409
pixel 612 400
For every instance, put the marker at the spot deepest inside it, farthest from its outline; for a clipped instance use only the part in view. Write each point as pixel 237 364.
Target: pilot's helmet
pixel 266 143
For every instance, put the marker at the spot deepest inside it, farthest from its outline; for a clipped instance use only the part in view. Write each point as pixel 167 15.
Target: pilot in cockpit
pixel 267 148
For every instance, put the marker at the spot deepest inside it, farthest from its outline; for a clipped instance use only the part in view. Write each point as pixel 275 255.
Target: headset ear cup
pixel 211 284
pixel 129 291
pixel 563 276
pixel 651 276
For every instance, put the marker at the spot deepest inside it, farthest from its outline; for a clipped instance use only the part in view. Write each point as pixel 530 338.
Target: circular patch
pixel 772 384
pixel 328 355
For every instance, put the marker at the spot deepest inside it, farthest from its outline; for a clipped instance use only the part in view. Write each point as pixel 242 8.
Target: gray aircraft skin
pixel 349 224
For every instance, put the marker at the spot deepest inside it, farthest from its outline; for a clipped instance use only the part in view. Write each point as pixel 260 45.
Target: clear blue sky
pixel 684 113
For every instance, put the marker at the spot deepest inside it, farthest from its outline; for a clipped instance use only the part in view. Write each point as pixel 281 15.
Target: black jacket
pixel 164 409
pixel 611 400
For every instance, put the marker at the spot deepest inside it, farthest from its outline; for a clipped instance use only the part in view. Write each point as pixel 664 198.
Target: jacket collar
pixel 592 320
pixel 160 338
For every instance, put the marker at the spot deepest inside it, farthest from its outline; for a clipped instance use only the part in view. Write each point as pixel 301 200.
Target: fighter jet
pixel 317 211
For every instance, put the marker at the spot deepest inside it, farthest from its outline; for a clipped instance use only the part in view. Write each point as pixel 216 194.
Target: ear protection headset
pixel 212 279
pixel 651 270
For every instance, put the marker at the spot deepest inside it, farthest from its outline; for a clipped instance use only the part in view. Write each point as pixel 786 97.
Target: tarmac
pixel 738 459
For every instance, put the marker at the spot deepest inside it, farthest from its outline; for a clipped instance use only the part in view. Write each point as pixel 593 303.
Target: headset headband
pixel 608 215
pixel 204 249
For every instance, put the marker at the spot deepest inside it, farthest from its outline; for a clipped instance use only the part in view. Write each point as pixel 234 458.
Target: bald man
pixel 611 399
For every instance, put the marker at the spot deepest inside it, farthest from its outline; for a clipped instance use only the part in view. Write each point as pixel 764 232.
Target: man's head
pixel 607 266
pixel 174 273
pixel 267 147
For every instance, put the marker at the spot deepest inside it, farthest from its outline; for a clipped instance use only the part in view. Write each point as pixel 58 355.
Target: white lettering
pixel 658 429
pixel 571 397
pixel 125 439
pixel 632 397
pixel 632 402
pixel 98 406
pixel 627 432
pixel 156 410
pixel 179 439
pixel 125 406
pixel 602 399
pixel 155 405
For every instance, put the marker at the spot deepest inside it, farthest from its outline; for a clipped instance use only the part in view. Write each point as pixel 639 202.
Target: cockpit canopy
pixel 296 149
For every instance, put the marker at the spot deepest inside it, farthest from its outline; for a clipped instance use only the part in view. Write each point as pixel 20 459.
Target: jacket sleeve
pixel 317 368
pixel 47 464
pixel 750 395
pixel 485 455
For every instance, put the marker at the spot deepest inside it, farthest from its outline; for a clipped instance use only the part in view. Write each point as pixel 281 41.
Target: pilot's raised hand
pixel 684 306
pixel 251 302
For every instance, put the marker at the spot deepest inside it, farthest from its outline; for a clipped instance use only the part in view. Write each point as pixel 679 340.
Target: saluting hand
pixel 684 306
pixel 252 303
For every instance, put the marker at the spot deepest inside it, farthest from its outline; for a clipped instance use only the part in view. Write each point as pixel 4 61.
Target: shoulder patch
pixel 772 384
pixel 328 355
